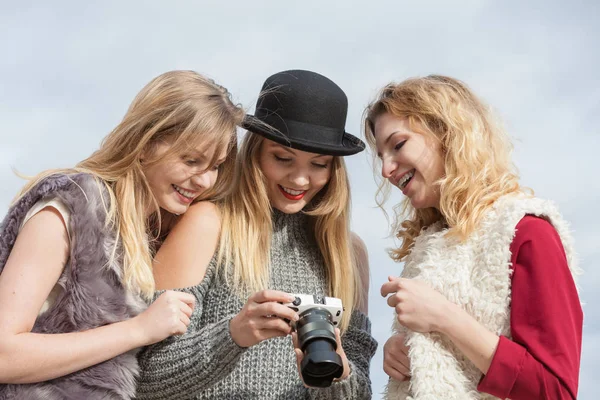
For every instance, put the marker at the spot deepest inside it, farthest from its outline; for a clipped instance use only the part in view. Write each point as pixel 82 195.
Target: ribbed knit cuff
pixel 190 364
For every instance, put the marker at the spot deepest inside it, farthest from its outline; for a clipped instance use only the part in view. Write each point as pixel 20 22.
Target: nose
pixel 388 168
pixel 300 178
pixel 203 180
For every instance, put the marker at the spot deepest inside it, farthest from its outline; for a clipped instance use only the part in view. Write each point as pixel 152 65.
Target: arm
pixel 357 343
pixel 32 269
pixel 203 355
pixel 542 360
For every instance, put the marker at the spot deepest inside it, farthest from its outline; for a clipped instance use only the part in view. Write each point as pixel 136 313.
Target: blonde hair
pixel 247 229
pixel 181 107
pixel 476 149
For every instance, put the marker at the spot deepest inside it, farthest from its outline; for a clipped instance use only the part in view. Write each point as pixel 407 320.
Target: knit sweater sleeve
pixel 359 347
pixel 181 366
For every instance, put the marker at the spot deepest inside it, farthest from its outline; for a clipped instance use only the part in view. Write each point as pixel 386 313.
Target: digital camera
pixel 316 337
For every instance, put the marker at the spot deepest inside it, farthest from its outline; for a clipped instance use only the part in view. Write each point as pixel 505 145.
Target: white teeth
pixel 292 192
pixel 184 193
pixel 402 182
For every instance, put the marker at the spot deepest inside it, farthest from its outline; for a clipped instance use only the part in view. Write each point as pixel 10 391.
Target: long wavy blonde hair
pixel 476 149
pixel 182 108
pixel 247 229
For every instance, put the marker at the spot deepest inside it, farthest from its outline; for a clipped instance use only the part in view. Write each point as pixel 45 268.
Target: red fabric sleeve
pixel 542 360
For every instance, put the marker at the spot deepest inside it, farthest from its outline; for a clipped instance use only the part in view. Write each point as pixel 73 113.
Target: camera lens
pixel 316 337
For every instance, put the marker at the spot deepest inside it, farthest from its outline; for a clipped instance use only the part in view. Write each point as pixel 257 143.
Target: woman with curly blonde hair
pixel 486 305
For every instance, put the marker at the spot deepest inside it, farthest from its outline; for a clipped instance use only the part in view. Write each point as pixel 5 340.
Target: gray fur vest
pixel 476 275
pixel 92 294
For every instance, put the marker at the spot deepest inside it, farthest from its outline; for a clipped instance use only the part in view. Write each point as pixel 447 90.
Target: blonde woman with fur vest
pixel 76 247
pixel 486 305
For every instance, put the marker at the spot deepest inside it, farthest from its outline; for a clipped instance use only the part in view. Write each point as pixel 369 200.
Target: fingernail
pixel 296 317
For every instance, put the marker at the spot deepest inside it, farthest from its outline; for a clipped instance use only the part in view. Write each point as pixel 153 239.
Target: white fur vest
pixel 92 294
pixel 475 275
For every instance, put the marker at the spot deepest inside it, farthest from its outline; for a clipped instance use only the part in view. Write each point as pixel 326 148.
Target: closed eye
pixel 281 159
pixel 320 165
pixel 399 145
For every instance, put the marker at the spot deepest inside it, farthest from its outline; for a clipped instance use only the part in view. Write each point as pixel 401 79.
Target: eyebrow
pixel 387 140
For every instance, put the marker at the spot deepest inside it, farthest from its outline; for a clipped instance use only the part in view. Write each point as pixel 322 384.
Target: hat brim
pixel 350 144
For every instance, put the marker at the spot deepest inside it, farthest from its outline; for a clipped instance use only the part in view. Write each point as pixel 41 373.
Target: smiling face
pixel 176 180
pixel 293 177
pixel 410 160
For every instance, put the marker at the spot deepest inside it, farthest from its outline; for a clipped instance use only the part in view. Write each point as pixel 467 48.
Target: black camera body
pixel 316 337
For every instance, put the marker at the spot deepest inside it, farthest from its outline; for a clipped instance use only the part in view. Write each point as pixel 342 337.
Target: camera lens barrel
pixel 316 337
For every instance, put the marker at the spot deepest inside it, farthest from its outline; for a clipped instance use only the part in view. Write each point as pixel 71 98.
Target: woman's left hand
pixel 419 307
pixel 339 350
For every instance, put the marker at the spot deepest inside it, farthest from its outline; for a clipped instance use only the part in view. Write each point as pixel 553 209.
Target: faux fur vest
pixel 475 275
pixel 91 295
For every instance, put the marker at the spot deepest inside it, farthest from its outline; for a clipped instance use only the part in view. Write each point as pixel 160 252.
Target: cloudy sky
pixel 69 70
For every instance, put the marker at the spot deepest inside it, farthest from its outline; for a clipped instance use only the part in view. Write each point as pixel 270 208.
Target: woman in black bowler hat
pixel 283 230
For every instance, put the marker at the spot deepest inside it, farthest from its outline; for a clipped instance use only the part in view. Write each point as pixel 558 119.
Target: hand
pixel 168 315
pixel 395 358
pixel 419 307
pixel 339 350
pixel 261 318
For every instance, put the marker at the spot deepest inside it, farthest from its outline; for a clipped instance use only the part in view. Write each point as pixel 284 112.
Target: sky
pixel 69 69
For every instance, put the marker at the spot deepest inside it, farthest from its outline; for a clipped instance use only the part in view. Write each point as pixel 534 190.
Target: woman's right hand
pixel 262 317
pixel 169 315
pixel 395 358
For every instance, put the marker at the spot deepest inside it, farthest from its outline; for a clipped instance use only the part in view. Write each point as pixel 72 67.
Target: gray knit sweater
pixel 206 363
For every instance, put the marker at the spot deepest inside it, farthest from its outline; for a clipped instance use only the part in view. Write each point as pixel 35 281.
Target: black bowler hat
pixel 305 111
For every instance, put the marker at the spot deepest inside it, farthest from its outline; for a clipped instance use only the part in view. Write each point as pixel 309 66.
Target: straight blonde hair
pixel 183 108
pixel 477 154
pixel 247 228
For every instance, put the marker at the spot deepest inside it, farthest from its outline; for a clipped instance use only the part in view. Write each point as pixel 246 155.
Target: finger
pixel 393 373
pixel 338 338
pixel 397 343
pixel 265 334
pixel 186 309
pixel 275 324
pixel 390 287
pixel 272 295
pixel 187 298
pixel 184 319
pixel 295 340
pixel 393 300
pixel 399 362
pixel 276 309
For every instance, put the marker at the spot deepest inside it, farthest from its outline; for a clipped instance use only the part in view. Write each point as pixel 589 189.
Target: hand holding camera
pixel 262 317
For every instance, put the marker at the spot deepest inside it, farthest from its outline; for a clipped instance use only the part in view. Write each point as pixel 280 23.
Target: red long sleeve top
pixel 542 359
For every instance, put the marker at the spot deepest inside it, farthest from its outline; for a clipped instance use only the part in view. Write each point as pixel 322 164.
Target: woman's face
pixel 410 161
pixel 177 180
pixel 293 177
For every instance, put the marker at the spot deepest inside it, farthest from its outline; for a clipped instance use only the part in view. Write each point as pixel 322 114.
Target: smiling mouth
pixel 291 193
pixel 406 178
pixel 186 194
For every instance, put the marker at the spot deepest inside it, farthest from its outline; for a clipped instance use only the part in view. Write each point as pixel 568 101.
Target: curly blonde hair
pixel 476 149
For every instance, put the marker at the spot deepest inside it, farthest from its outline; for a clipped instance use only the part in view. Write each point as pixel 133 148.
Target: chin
pixel 289 208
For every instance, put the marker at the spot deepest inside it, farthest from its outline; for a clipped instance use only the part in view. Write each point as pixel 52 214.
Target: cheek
pixel 321 179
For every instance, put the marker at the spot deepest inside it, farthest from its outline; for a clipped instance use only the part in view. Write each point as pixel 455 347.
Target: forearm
pixel 183 366
pixel 474 340
pixel 35 357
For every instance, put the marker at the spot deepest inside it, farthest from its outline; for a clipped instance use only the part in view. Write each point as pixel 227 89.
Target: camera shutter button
pixel 297 301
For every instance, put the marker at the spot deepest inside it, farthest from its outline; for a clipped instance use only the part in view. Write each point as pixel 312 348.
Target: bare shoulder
pixel 184 256
pixel 361 257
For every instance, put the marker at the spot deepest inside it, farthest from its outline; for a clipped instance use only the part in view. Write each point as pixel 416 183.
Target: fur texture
pixel 476 276
pixel 92 294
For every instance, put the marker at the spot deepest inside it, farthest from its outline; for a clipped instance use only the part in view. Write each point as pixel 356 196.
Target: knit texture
pixel 206 363
pixel 475 275
pixel 91 295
